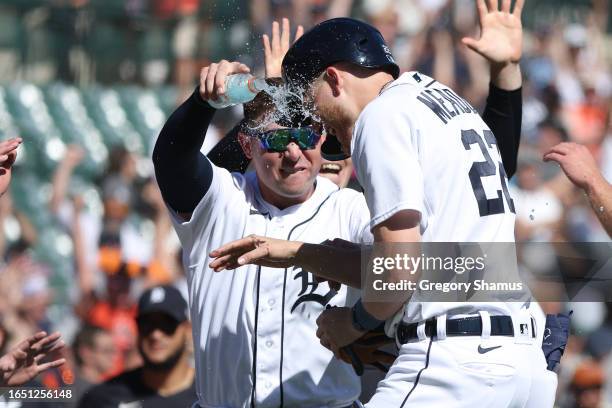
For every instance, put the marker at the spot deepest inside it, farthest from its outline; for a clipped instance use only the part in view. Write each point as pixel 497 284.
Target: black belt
pixel 466 326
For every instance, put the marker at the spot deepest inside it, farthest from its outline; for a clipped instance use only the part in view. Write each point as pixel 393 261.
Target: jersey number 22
pixel 486 206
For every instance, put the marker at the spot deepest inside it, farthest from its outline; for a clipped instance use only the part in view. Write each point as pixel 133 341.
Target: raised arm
pixel 500 43
pixel 228 153
pixel 183 173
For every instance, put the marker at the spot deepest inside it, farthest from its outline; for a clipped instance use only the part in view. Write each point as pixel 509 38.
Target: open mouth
pixel 291 171
pixel 330 168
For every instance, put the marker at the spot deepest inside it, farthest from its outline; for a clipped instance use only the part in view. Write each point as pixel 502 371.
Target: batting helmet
pixel 337 40
pixel 330 42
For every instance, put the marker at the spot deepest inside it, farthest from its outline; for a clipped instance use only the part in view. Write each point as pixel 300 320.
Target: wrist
pixel 594 184
pixel 506 76
pixel 362 320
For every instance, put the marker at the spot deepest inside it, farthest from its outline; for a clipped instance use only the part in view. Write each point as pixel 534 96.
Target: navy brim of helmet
pixel 331 149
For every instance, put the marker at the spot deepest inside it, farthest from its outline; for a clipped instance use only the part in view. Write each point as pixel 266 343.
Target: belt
pixel 466 326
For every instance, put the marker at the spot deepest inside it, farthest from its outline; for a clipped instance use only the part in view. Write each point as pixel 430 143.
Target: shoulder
pixel 110 392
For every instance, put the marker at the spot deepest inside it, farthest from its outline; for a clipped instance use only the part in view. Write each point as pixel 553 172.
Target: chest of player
pixel 293 292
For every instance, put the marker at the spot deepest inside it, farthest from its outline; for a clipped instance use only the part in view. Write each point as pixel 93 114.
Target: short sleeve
pixel 386 157
pixel 224 202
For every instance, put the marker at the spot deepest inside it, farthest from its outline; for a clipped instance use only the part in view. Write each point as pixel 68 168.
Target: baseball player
pixel 254 332
pixel 415 145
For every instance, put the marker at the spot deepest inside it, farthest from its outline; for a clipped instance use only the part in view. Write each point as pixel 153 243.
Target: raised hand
pixel 275 52
pixel 501 32
pixel 8 155
pixel 23 362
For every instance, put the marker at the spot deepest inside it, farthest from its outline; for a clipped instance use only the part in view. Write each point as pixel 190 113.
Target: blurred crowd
pixel 120 239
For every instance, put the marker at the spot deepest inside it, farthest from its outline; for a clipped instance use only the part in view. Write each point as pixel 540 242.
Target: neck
pixel 169 382
pixel 282 202
pixel 371 87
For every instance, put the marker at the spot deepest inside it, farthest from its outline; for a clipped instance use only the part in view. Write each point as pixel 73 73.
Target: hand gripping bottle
pixel 239 88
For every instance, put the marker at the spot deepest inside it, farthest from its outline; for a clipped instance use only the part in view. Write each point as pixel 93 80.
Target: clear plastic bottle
pixel 239 88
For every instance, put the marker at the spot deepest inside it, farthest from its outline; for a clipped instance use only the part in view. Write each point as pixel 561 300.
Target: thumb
pixel 471 43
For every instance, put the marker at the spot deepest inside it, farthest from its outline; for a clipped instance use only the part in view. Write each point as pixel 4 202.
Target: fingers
pixel 276 47
pixel 493 5
pixel 266 45
pixel 562 148
pixel 506 6
pixel 47 344
pixel 51 364
pixel 285 34
pixel 299 32
pixel 554 157
pixel 203 76
pixel 482 9
pixel 8 146
pixel 518 8
pixel 212 78
pixel 254 255
pixel 210 81
pixel 243 244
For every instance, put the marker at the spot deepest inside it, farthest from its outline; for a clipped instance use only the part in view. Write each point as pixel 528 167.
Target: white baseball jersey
pixel 255 328
pixel 419 146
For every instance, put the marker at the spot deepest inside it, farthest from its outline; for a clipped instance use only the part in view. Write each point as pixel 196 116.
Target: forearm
pixel 61 179
pixel 600 197
pixel 183 173
pixel 342 265
pixel 503 114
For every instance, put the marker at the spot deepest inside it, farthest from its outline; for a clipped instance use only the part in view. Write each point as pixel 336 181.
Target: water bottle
pixel 239 88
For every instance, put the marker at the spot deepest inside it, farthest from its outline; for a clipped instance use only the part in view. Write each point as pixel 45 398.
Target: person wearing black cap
pixel 166 379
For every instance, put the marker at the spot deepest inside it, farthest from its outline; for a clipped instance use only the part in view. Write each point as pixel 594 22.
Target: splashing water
pixel 291 106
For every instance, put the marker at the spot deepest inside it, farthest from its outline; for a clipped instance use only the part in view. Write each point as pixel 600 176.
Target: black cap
pixel 337 40
pixel 165 299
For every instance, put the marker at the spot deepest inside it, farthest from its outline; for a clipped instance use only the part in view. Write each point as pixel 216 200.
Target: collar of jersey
pixel 323 188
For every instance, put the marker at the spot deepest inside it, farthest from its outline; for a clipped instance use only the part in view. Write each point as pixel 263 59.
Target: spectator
pixel 587 384
pixel 94 352
pixel 166 378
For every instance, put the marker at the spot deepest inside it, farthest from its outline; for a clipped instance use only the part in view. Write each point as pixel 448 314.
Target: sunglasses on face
pixel 146 325
pixel 276 140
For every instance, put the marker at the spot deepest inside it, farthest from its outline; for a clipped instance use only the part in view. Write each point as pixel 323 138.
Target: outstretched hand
pixel 501 32
pixel 23 362
pixel 256 250
pixel 275 51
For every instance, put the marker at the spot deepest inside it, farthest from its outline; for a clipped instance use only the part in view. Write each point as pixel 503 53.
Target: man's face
pixel 161 339
pixel 289 174
pixel 103 353
pixel 332 112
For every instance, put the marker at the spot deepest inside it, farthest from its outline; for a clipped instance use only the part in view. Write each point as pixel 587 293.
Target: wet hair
pixel 263 109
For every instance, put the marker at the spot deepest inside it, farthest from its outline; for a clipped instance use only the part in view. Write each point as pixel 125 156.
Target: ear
pixel 245 144
pixel 334 78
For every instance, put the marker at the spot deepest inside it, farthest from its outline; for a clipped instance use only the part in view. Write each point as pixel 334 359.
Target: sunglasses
pixel 148 324
pixel 276 140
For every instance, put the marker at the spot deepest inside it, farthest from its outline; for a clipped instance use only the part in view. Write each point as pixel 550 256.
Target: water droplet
pixel 546 203
pixel 601 209
pixel 531 217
